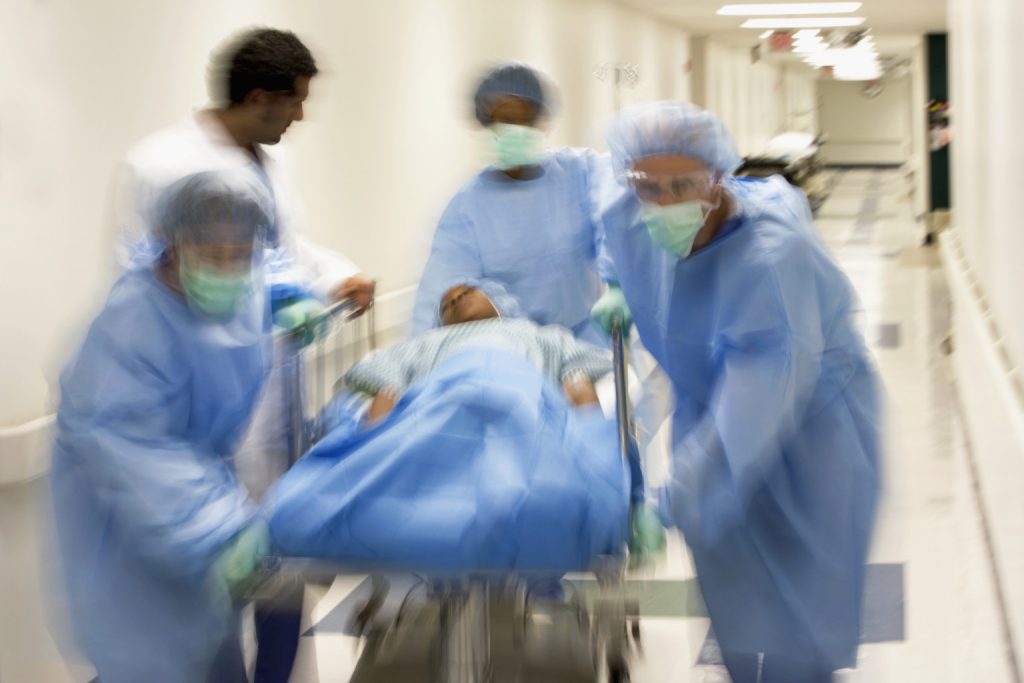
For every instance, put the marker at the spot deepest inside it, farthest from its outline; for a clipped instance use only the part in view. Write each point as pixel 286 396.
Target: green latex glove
pixel 298 315
pixel 647 536
pixel 242 556
pixel 612 307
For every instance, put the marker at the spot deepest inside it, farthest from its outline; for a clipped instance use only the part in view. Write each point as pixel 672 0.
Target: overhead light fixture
pixel 804 22
pixel 834 56
pixel 868 71
pixel 788 9
pixel 766 35
pixel 850 64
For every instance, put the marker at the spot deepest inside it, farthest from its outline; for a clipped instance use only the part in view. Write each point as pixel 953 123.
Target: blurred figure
pixel 258 81
pixel 526 221
pixel 155 530
pixel 775 432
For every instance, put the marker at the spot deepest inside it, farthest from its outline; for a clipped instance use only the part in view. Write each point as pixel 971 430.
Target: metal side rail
pixel 334 349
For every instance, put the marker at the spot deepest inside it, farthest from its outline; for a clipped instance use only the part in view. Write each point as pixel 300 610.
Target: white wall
pixel 863 130
pixel 386 141
pixel 987 175
pixel 800 91
pixel 985 246
pixel 755 100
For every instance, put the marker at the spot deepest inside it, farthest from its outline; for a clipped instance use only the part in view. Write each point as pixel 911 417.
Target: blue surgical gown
pixel 143 483
pixel 776 423
pixel 536 237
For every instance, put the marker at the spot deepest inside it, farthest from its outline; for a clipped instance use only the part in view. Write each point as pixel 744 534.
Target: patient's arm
pixel 575 359
pixel 580 390
pixel 381 406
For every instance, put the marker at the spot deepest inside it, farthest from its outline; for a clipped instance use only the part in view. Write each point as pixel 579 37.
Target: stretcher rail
pixel 338 340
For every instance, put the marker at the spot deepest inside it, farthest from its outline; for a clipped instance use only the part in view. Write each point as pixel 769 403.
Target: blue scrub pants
pixel 277 637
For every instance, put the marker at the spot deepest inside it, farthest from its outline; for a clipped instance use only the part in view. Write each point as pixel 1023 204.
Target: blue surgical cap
pixel 512 79
pixel 671 127
pixel 504 303
pixel 224 205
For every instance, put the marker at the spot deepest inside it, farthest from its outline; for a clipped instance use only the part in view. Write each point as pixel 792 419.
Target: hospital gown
pixel 550 349
pixel 536 237
pixel 151 409
pixel 775 430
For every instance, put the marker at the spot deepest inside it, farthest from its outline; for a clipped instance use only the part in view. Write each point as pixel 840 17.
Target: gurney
pixel 467 623
pixel 797 158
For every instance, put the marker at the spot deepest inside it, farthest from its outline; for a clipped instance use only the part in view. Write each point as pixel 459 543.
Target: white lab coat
pixel 201 143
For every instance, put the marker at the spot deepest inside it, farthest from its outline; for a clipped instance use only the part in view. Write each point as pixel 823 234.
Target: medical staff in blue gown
pixel 527 220
pixel 776 425
pixel 155 531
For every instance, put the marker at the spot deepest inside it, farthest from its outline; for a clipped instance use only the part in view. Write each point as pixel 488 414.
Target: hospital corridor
pixel 544 341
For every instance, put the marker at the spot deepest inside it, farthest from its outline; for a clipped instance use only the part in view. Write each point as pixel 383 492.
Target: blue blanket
pixel 481 466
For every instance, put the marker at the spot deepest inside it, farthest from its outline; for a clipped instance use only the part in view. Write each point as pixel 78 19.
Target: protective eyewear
pixel 671 188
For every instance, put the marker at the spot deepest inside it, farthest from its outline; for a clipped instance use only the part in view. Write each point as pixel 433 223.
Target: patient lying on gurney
pixel 478 459
pixel 470 318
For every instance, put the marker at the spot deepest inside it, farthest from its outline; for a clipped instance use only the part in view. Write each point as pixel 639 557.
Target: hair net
pixel 671 127
pixel 215 205
pixel 513 79
pixel 504 303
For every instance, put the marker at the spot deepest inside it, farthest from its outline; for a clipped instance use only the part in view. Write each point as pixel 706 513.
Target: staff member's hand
pixel 298 315
pixel 241 557
pixel 357 289
pixel 612 308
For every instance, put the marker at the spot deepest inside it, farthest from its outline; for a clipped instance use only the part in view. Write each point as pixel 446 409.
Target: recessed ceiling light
pixel 788 8
pixel 804 22
pixel 766 35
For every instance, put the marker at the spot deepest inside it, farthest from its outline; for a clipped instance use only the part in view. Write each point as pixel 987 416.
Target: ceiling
pixel 900 21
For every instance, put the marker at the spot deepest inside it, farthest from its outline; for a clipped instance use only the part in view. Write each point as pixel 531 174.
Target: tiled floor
pixel 935 612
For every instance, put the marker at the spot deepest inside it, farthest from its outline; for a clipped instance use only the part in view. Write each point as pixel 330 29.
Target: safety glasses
pixel 671 188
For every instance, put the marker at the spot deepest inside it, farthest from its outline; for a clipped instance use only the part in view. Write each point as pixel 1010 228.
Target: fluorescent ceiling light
pixel 804 22
pixel 853 58
pixel 857 72
pixel 788 9
pixel 766 35
pixel 809 49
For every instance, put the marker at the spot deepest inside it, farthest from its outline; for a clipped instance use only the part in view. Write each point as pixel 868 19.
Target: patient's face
pixel 463 304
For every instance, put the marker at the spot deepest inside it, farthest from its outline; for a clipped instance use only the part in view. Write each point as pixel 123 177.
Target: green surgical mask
pixel 517 146
pixel 213 293
pixel 674 227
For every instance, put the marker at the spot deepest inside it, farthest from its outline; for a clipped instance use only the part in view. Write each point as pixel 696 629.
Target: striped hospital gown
pixel 552 349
